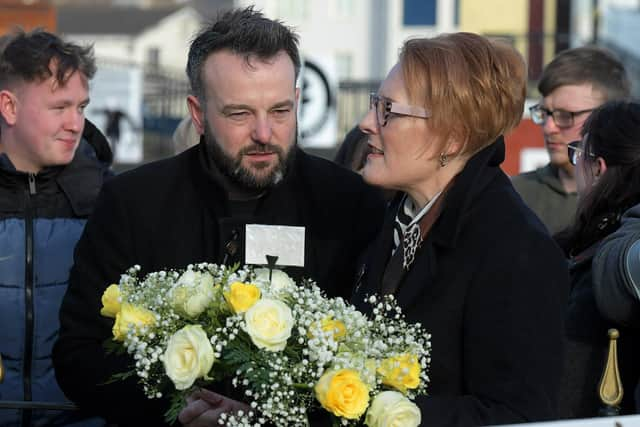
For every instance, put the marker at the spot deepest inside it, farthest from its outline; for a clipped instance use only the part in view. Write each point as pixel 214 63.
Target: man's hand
pixel 204 408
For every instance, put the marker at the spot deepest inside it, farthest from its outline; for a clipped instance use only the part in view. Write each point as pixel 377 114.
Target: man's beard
pixel 232 167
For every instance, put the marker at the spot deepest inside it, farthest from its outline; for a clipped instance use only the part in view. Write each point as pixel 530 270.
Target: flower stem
pixel 301 386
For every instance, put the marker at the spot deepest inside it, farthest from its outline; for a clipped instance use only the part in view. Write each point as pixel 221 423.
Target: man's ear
pixel 8 107
pixel 197 113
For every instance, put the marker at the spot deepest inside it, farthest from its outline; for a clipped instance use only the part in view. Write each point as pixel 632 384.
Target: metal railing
pixel 353 102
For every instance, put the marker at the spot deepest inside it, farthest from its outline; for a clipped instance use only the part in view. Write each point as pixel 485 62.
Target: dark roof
pixel 109 19
pixel 209 8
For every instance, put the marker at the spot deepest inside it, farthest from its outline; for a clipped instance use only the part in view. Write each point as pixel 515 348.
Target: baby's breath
pixel 327 334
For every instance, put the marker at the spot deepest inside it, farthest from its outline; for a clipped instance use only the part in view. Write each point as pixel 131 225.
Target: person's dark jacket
pixel 353 151
pixel 173 213
pixel 587 346
pixel 41 218
pixel 616 272
pixel 490 286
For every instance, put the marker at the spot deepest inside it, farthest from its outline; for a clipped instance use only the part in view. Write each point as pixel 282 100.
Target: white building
pixel 361 37
pixel 156 37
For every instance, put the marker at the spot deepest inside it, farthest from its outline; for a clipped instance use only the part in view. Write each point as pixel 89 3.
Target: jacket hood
pixel 98 142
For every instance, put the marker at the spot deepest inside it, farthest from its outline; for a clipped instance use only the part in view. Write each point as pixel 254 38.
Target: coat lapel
pixel 377 256
pixel 420 278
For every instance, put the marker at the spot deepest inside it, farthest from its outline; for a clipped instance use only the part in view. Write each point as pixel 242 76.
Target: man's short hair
pixel 244 32
pixel 4 41
pixel 28 57
pixel 587 64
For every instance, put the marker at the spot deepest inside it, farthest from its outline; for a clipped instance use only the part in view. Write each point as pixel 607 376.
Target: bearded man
pixel 194 207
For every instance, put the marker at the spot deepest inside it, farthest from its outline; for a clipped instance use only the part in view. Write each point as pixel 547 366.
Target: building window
pixel 456 13
pixel 419 12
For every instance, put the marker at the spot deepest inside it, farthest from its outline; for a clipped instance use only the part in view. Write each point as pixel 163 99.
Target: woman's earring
pixel 444 159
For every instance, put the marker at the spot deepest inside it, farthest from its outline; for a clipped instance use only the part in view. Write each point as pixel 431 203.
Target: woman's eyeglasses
pixel 384 107
pixel 575 152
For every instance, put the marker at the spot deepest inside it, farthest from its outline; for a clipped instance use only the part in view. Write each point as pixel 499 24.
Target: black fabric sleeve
pixel 616 282
pixel 82 366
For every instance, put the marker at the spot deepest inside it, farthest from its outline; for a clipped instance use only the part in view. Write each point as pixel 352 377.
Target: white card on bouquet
pixel 284 241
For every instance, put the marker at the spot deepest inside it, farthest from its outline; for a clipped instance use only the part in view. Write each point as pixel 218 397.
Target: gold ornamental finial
pixel 610 390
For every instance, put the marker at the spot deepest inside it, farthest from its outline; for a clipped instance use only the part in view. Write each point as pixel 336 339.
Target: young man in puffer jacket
pixel 52 166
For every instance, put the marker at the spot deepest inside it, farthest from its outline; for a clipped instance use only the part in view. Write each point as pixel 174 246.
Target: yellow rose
pixel 189 356
pixel 268 323
pixel 400 372
pixel 392 409
pixel 111 301
pixel 328 324
pixel 343 393
pixel 192 293
pixel 242 296
pixel 131 316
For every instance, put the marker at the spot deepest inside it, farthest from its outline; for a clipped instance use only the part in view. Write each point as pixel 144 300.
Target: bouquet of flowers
pixel 286 346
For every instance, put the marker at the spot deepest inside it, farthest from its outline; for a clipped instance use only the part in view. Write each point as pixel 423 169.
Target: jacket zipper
pixel 28 294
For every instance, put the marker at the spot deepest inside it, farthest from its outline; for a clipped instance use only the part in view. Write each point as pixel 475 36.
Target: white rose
pixel 188 356
pixel 279 279
pixel 392 409
pixel 192 293
pixel 269 323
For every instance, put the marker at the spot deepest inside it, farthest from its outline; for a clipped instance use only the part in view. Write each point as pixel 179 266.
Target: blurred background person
pixel 607 162
pixel 353 154
pixel 459 249
pixel 616 272
pixel 50 175
pixel 114 119
pixel 185 136
pixel 353 151
pixel 616 276
pixel 574 83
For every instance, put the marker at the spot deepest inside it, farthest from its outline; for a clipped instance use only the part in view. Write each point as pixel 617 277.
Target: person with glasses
pixel 607 169
pixel 572 85
pixel 459 249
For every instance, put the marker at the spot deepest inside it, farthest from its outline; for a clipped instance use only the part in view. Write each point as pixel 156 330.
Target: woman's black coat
pixel 490 285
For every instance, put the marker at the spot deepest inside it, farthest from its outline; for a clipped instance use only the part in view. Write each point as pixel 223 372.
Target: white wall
pixel 372 35
pixel 328 29
pixel 172 37
pixel 116 48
